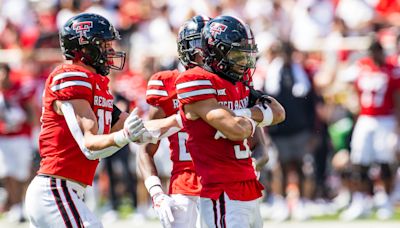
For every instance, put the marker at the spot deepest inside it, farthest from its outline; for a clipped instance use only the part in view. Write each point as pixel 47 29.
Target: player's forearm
pixel 240 130
pixel 234 128
pixel 278 112
pixel 98 142
pixel 146 162
pixel 162 128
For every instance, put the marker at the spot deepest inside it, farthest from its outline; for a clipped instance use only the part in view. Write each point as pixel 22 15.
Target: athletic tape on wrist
pixel 268 116
pixel 153 185
pixel 246 113
pixel 120 138
pixel 243 112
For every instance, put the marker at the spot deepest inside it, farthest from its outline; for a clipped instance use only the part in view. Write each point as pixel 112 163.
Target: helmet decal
pixel 81 28
pixel 217 28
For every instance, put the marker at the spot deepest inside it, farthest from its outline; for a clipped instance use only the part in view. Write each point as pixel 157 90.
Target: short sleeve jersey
pixel 16 97
pixel 60 153
pixel 223 165
pixel 375 86
pixel 161 93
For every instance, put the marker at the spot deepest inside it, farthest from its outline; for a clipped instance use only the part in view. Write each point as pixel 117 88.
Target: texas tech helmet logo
pixel 82 28
pixel 217 28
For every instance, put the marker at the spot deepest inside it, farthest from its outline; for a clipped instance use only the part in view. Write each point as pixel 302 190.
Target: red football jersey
pixel 16 97
pixel 375 86
pixel 161 93
pixel 60 153
pixel 223 165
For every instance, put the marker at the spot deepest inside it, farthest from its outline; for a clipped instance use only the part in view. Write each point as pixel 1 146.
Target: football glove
pixel 163 204
pixel 132 130
pixel 257 96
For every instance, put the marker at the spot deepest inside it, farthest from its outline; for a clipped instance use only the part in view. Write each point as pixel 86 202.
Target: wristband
pixel 153 185
pixel 120 138
pixel 243 112
pixel 253 124
pixel 267 115
pixel 246 113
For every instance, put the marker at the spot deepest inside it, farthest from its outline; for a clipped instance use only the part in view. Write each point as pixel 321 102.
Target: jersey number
pixel 103 119
pixel 242 151
pixel 184 155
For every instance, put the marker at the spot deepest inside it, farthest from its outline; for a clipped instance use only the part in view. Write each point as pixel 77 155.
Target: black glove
pixel 257 96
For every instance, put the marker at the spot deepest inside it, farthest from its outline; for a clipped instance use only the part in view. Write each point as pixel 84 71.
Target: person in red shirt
pixel 16 151
pixel 213 108
pixel 80 124
pixel 185 185
pixel 375 133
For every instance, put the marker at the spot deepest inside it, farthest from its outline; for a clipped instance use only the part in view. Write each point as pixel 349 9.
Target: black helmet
pixel 83 37
pixel 189 40
pixel 229 48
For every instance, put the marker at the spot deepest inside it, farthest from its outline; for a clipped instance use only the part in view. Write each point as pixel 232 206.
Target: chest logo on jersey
pixel 221 92
pixel 236 104
pixel 176 103
pixel 103 102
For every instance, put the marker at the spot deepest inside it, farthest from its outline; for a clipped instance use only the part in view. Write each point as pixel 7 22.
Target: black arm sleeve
pixel 115 115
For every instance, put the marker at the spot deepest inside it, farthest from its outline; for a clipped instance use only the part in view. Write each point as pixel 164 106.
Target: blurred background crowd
pixel 308 52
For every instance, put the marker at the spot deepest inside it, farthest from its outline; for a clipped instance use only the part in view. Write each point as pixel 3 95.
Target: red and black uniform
pixel 161 93
pixel 60 153
pixel 223 165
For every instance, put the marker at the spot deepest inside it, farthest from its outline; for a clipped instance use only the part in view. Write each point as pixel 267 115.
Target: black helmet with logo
pixel 229 48
pixel 83 38
pixel 189 40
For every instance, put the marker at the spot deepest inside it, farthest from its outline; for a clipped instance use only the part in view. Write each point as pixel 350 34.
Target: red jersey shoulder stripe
pixel 197 92
pixel 184 85
pixel 64 80
pixel 155 83
pixel 157 92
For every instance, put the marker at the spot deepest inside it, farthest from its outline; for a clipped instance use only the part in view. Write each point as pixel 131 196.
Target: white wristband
pixel 120 139
pixel 246 113
pixel 268 116
pixel 243 112
pixel 153 185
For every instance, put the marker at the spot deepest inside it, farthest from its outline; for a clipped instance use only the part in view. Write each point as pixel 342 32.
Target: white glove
pixel 219 135
pixel 133 129
pixel 163 205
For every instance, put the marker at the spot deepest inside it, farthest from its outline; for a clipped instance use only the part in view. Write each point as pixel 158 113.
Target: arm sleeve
pixel 193 88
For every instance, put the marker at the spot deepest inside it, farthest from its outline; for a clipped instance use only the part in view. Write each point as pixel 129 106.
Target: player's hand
pixel 133 129
pixel 163 205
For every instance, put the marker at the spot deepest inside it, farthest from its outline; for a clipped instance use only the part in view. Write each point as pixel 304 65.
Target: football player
pixel 373 142
pixel 80 124
pixel 213 108
pixel 185 185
